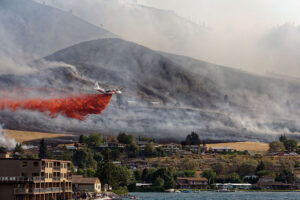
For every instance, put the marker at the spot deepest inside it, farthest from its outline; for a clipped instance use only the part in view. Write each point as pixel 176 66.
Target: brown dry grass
pixel 23 136
pixel 255 147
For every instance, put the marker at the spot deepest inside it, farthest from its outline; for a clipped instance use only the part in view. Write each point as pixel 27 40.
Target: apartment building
pixel 35 179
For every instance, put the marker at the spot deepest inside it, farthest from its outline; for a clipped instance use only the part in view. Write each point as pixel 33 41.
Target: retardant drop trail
pixel 77 107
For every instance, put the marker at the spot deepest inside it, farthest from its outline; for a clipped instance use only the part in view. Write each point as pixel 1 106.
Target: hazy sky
pixel 238 13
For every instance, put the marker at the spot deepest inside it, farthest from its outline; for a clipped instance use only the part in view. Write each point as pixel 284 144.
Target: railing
pixel 38 178
pixel 56 178
pixel 56 167
pixel 14 179
pixel 22 191
pixel 68 189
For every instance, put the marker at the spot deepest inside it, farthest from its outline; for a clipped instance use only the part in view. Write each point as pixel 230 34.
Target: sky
pixel 258 36
pixel 238 13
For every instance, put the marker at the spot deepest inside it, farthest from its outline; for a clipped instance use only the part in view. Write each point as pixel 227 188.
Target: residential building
pixel 35 179
pixel 221 149
pixel 172 147
pixel 198 149
pixel 233 186
pixel 81 184
pixel 5 155
pixel 191 183
pixel 269 183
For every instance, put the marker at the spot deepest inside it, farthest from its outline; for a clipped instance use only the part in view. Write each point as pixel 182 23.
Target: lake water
pixel 220 196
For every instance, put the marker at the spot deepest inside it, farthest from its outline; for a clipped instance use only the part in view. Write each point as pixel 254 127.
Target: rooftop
pixel 79 179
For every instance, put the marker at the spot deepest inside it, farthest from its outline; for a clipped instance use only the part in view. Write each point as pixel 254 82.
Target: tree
pixel 3 149
pixel 112 174
pixel 94 140
pixel 290 144
pixel 125 139
pixel 138 174
pixel 83 158
pixel 43 153
pixel 115 154
pixel 167 175
pixel 247 168
pixel 276 146
pixel 262 173
pixel 192 139
pixel 66 155
pixel 210 175
pixel 282 138
pixel 18 151
pixel 150 150
pixel 133 150
pixel 83 139
pixel 260 166
pixel 220 168
pixel 234 178
pixel 148 175
pixel 285 176
pixel 159 182
pixel 189 164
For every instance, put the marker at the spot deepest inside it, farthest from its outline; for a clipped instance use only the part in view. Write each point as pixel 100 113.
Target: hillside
pixel 25 136
pixel 166 96
pixel 34 29
pixel 255 147
pixel 155 28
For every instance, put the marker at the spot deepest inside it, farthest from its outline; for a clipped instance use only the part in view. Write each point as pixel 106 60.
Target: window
pixel 35 164
pixel 24 164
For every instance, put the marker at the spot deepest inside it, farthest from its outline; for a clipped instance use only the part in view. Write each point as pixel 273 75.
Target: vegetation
pixel 95 160
pixel 192 139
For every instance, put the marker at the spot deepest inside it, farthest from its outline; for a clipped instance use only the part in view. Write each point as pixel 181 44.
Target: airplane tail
pixel 96 87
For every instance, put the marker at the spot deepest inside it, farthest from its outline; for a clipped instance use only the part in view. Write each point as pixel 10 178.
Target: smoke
pixel 189 93
pixel 5 141
pixel 77 107
pixel 237 39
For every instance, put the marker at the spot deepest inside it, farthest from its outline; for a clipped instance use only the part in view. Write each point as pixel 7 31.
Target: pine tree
pixel 43 149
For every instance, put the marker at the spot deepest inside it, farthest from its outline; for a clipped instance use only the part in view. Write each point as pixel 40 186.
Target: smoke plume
pixel 6 142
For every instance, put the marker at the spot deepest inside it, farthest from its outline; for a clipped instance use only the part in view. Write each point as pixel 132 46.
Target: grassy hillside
pixel 256 147
pixel 24 136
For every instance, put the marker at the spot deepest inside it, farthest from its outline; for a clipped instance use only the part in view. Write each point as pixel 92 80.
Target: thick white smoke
pixel 5 141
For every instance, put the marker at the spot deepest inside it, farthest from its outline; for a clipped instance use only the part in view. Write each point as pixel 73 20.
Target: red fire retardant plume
pixel 77 107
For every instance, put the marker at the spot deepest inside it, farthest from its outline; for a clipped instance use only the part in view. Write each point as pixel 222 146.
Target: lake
pixel 220 196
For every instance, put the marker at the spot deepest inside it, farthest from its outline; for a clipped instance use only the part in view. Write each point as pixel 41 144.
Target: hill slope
pixel 30 28
pixel 166 96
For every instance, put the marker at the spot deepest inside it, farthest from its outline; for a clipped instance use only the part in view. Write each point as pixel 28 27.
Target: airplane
pixel 107 91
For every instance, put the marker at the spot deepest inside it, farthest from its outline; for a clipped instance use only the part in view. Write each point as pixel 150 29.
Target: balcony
pixel 23 191
pixel 57 168
pixel 56 178
pixel 38 178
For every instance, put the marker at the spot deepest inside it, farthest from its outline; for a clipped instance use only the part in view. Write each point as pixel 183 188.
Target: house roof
pixel 79 179
pixel 191 179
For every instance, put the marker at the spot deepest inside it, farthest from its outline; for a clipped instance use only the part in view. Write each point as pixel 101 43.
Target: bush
pixel 121 190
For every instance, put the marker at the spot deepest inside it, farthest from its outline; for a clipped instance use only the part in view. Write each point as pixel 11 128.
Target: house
pixel 81 184
pixel 221 149
pixel 35 179
pixel 191 183
pixel 234 186
pixel 172 147
pixel 196 148
pixel 269 183
pixel 5 155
